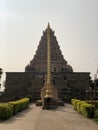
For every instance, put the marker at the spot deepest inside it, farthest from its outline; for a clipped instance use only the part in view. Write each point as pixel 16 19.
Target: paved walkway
pixel 34 118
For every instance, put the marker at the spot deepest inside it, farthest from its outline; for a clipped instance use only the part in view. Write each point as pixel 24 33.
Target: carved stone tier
pixel 39 62
pixel 69 84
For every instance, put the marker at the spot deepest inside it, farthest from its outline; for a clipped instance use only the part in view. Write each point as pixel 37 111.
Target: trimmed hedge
pixel 11 108
pixel 6 111
pixel 19 105
pixel 79 106
pixel 83 107
pixel 96 114
pixel 74 103
pixel 87 110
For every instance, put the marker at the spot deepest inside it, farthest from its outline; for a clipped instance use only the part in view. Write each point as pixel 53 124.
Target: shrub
pixel 19 105
pixel 6 111
pixel 11 108
pixel 87 110
pixel 79 103
pixel 24 103
pixel 96 113
pixel 16 106
pixel 83 107
pixel 74 103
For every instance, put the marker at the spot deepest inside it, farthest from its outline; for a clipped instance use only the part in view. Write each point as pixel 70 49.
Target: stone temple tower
pixel 39 62
pixel 69 84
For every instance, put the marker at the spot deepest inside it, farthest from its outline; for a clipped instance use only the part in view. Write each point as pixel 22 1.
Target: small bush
pixel 79 105
pixel 83 107
pixel 87 110
pixel 19 105
pixel 6 111
pixel 74 103
pixel 11 108
pixel 24 103
pixel 96 114
pixel 16 106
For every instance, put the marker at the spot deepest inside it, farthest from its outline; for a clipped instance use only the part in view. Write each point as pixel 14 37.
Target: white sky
pixel 75 23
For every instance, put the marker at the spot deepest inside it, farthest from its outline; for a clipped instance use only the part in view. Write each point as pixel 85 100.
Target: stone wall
pixel 69 85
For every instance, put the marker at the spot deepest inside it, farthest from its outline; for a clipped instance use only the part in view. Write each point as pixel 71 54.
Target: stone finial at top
pixel 48 27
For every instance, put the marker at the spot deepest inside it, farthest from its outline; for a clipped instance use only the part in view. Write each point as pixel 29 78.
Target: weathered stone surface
pixel 29 83
pixel 39 62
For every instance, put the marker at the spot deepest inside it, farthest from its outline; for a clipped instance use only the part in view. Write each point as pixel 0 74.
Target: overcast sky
pixel 75 23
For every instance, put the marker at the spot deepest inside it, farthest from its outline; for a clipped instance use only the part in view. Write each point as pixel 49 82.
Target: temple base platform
pixel 50 103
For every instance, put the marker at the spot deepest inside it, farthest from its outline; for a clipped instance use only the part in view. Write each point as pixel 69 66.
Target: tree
pixel 96 82
pixel 1 71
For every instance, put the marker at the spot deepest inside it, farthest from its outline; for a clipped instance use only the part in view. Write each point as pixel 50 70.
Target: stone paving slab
pixel 34 118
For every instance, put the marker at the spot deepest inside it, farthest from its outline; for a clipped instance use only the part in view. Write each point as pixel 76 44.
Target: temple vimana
pixel 69 84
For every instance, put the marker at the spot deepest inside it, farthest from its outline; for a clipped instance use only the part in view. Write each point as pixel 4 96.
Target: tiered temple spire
pixel 39 62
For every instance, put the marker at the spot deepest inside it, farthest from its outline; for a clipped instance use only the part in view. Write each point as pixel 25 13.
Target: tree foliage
pixel 1 71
